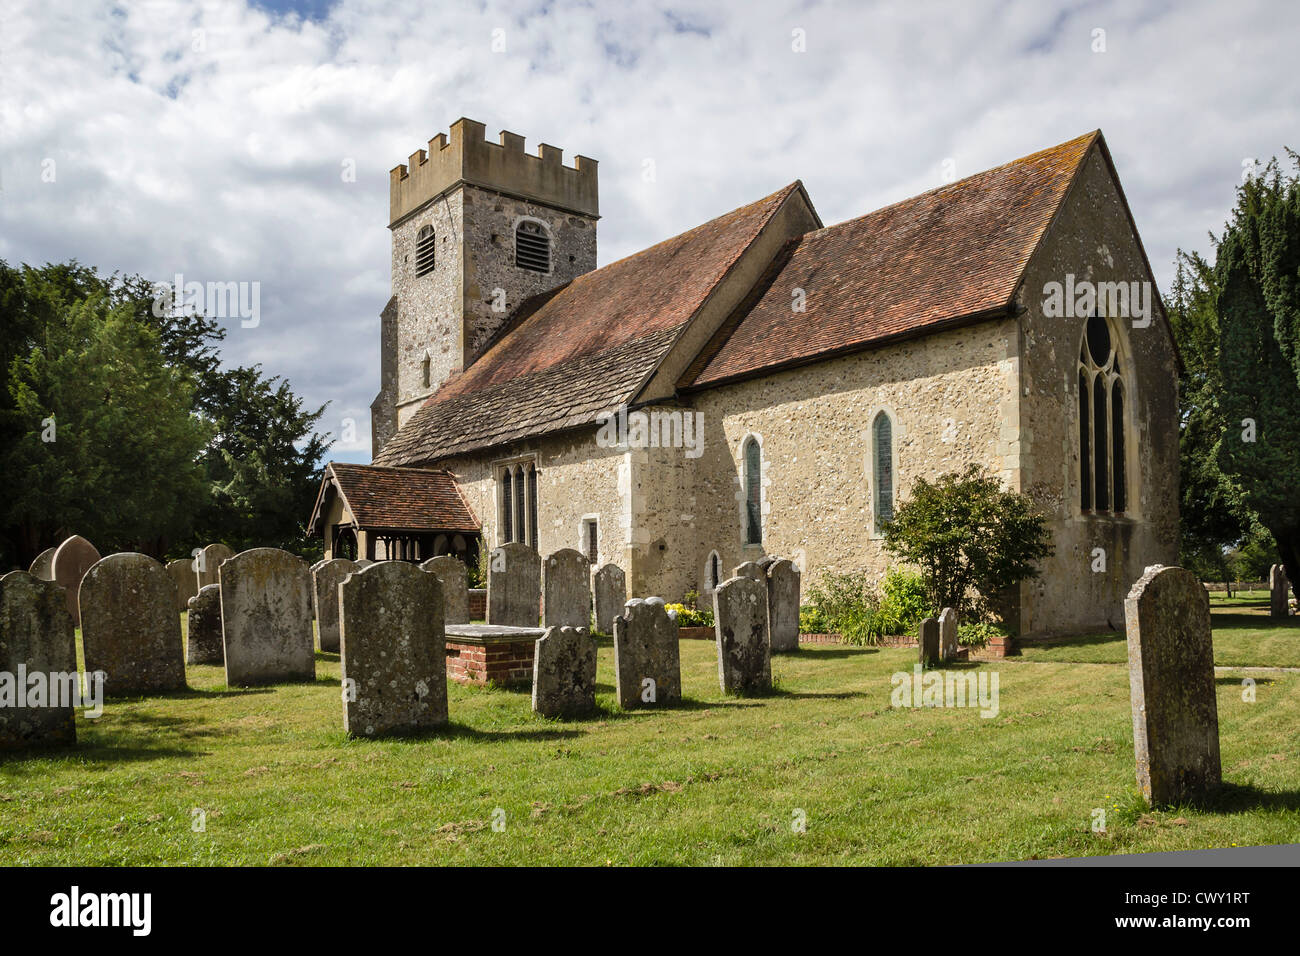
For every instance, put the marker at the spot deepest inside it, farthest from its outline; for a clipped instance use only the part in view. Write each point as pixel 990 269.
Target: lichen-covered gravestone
pixel 564 672
pixel 1279 592
pixel 203 627
pixel 611 595
pixel 751 570
pixel 514 586
pixel 394 651
pixel 740 625
pixel 947 635
pixel 182 574
pixel 647 659
pixel 43 566
pixel 72 559
pixel 326 578
pixel 927 643
pixel 454 578
pixel 1171 686
pixel 266 618
pixel 566 590
pixel 36 637
pixel 207 564
pixel 783 605
pixel 129 626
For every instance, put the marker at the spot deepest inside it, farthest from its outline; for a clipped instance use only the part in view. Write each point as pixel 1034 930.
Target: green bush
pixel 691 617
pixel 813 621
pixel 979 633
pixel 904 604
pixel 852 606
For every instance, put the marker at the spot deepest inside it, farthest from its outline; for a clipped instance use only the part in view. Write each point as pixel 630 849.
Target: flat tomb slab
pixel 496 654
pixel 492 633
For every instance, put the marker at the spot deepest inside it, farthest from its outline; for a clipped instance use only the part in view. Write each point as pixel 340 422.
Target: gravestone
pixel 394 652
pixel 363 563
pixel 611 595
pixel 129 626
pixel 266 618
pixel 948 635
pixel 43 567
pixel 566 590
pixel 514 585
pixel 647 660
pixel 783 606
pixel 765 563
pixel 181 571
pixel 564 672
pixel 927 643
pixel 203 627
pixel 207 564
pixel 326 577
pixel 454 578
pixel 751 570
pixel 72 559
pixel 1279 589
pixel 740 626
pixel 1171 686
pixel 36 637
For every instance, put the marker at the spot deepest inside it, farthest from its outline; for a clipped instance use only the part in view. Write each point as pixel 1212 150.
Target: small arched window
pixel 882 433
pixel 424 251
pixel 753 463
pixel 507 506
pixel 1102 474
pixel 426 367
pixel 713 572
pixel 532 247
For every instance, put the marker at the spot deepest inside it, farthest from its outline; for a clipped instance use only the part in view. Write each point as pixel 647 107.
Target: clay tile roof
pixel 415 499
pixel 567 355
pixel 956 252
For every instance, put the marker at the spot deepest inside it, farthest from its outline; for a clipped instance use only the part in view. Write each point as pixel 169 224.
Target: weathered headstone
pixel 740 625
pixel 1171 686
pixel 43 566
pixel 326 577
pixel 207 564
pixel 514 585
pixel 394 651
pixel 364 563
pixel 1279 590
pixel 203 627
pixel 783 605
pixel 611 595
pixel 751 570
pixel 454 578
pixel 36 637
pixel 566 590
pixel 647 659
pixel 72 559
pixel 766 561
pixel 564 672
pixel 947 635
pixel 181 571
pixel 129 626
pixel 927 643
pixel 266 618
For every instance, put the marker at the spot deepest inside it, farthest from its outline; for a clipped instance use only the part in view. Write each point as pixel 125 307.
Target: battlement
pixel 467 157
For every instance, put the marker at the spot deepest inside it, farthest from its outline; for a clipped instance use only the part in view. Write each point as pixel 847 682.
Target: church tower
pixel 477 228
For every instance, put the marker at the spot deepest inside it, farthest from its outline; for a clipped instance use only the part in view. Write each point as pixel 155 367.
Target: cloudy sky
pixel 214 139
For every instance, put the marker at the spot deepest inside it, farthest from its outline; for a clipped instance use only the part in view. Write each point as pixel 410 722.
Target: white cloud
pixel 208 139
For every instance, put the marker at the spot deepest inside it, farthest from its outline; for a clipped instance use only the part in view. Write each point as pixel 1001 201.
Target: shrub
pixel 905 602
pixel 968 534
pixel 851 605
pixel 812 621
pixel 979 633
pixel 691 617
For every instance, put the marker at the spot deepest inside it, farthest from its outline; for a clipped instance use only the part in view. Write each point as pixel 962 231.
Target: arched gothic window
pixel 424 251
pixel 1103 479
pixel 882 469
pixel 532 247
pixel 712 572
pixel 753 464
pixel 517 502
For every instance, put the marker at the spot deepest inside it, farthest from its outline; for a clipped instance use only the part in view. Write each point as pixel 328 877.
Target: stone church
pixel 763 383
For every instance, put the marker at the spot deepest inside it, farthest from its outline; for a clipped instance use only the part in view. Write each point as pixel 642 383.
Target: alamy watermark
pixel 933 688
pixel 53 689
pixel 1084 298
pixel 658 428
pixel 216 300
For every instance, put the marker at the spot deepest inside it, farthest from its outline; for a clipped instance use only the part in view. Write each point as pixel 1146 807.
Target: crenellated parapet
pixel 466 157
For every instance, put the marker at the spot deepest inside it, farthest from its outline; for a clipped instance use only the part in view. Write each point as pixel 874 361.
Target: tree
pixel 971 538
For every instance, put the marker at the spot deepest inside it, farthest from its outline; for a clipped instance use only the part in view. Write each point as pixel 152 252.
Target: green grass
pixel 716 781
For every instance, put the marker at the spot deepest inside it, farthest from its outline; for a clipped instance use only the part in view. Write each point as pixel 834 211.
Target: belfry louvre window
pixel 1103 480
pixel 424 251
pixel 532 247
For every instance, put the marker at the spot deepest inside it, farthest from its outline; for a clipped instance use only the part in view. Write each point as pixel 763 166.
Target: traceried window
pixel 753 464
pixel 1103 480
pixel 882 469
pixel 424 251
pixel 532 247
pixel 517 502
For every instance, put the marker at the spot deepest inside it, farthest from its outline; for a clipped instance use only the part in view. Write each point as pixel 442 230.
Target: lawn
pixel 715 781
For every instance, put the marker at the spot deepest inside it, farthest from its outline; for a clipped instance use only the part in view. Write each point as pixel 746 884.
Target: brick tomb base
pixel 491 654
